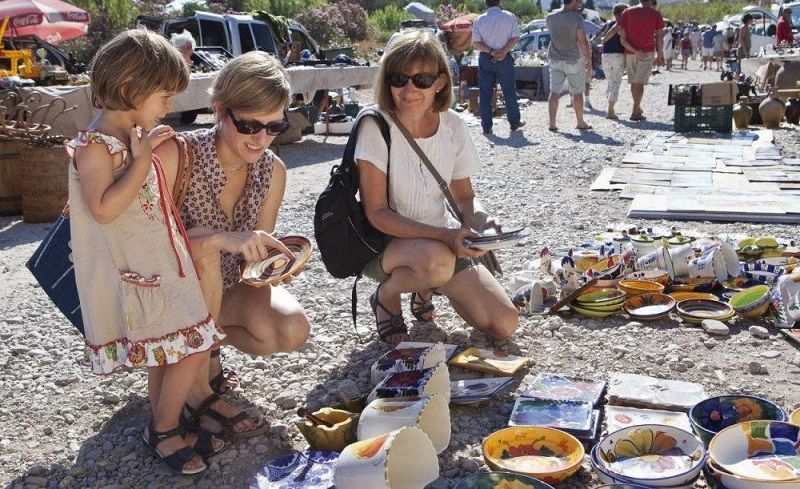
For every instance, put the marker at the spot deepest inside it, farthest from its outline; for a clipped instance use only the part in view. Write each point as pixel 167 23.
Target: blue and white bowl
pixel 762 271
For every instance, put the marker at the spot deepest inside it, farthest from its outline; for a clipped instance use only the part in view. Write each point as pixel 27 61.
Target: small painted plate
pixel 557 386
pixel 312 469
pixel 618 417
pixel 475 390
pixel 277 267
pixel 490 361
pixel 572 415
pixel 490 242
pixel 499 480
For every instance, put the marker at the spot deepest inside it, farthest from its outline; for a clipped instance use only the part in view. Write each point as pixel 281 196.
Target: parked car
pixel 538 40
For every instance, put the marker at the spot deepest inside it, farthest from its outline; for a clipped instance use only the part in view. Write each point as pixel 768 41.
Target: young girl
pixel 140 295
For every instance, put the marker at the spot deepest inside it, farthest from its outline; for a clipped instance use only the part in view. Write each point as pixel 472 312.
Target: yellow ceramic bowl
pixel 547 454
pixel 636 287
pixel 794 418
pixel 584 264
pixel 682 296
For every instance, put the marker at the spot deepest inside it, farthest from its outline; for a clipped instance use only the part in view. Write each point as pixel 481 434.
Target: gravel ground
pixel 63 427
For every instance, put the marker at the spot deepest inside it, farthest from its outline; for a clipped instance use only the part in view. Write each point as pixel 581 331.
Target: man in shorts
pixel 570 59
pixel 641 31
pixel 707 51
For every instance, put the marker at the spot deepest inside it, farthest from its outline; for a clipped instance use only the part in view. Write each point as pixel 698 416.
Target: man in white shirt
pixel 494 34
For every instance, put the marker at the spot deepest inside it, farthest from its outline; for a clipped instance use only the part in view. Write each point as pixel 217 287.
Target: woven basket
pixel 44 182
pixel 10 187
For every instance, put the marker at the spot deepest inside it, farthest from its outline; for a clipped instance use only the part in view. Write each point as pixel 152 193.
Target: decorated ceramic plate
pixel 761 450
pixel 312 469
pixel 475 390
pixel 501 480
pixel 696 310
pixel 557 386
pixel 572 415
pixel 277 267
pixel 489 242
pixel 618 417
pixel 490 361
pixel 647 307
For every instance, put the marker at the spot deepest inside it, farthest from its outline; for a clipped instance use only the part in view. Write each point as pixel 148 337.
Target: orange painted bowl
pixel 655 275
pixel 649 307
pixel 547 454
pixel 637 287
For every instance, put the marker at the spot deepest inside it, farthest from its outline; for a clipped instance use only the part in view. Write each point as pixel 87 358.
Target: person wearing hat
pixel 783 33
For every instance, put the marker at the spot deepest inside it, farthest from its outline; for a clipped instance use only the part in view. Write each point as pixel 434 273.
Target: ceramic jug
pixel 793 111
pixel 742 113
pixel 771 111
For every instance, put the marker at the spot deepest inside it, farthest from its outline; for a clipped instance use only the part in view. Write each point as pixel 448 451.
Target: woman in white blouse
pixel 426 252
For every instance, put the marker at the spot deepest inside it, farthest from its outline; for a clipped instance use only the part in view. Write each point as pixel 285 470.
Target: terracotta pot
pixel 793 111
pixel 787 76
pixel 742 113
pixel 772 110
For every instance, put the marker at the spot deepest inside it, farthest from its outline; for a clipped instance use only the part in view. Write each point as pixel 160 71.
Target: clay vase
pixel 787 76
pixel 742 113
pixel 793 111
pixel 771 111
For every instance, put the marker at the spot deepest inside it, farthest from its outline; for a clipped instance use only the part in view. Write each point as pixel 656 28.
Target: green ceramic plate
pixel 602 295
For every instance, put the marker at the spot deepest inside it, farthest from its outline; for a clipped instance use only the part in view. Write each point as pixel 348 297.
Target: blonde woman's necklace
pixel 235 170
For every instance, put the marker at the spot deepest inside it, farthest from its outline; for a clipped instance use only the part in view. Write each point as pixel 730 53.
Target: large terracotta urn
pixel 793 111
pixel 771 111
pixel 742 113
pixel 788 76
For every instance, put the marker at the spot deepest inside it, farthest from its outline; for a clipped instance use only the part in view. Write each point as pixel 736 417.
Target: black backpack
pixel 345 238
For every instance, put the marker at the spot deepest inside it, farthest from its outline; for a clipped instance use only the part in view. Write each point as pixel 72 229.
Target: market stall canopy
pixel 52 20
pixel 421 11
pixel 459 33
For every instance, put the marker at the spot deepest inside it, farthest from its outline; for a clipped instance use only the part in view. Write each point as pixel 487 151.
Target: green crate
pixel 704 118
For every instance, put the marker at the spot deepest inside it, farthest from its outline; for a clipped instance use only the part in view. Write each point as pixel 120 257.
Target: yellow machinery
pixel 22 62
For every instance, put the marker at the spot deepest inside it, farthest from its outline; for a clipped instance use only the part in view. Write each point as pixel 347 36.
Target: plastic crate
pixel 704 118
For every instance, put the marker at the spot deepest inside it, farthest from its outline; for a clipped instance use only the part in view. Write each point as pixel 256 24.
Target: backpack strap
pixel 348 166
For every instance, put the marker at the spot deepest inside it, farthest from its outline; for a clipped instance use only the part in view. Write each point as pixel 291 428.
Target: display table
pixel 538 74
pixel 303 79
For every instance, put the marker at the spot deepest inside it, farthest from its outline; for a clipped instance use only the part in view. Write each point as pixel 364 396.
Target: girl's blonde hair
pixel 252 82
pixel 134 65
pixel 414 49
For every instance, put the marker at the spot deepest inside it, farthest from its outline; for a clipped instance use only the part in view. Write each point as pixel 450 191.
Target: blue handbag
pixel 52 267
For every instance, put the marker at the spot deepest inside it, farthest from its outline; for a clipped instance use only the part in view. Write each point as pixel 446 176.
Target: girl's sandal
pixel 226 380
pixel 204 445
pixel 177 460
pixel 387 328
pixel 422 309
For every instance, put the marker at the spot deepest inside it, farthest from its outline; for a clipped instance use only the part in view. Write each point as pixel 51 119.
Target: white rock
pixel 567 330
pixel 715 327
pixel 770 354
pixel 554 323
pixel 796 360
pixel 759 331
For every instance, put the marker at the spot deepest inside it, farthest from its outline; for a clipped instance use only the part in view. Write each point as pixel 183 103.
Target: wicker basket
pixel 10 188
pixel 44 182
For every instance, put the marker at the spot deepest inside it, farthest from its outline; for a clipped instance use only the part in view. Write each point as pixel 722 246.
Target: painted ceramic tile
pixel 312 469
pixel 490 361
pixel 472 390
pixel 573 415
pixel 652 393
pixel 618 417
pixel 591 434
pixel 557 386
pixel 449 350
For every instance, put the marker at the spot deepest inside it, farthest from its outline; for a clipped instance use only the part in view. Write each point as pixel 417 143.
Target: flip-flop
pixel 584 127
pixel 552 129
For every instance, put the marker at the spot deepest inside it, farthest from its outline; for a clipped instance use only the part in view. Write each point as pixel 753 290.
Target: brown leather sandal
pixel 226 380
pixel 191 418
pixel 387 328
pixel 422 309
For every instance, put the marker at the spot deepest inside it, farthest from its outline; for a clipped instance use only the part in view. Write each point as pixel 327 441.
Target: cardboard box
pixel 720 93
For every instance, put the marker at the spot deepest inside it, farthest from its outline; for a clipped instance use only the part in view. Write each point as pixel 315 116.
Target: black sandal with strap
pixel 205 443
pixel 387 328
pixel 177 460
pixel 226 380
pixel 191 418
pixel 422 309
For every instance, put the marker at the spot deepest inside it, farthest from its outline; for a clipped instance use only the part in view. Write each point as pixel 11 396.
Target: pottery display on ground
pixel 742 113
pixel 758 450
pixel 710 416
pixel 546 454
pixel 404 359
pixel 751 302
pixel 425 382
pixel 430 414
pixel 402 459
pixel 772 110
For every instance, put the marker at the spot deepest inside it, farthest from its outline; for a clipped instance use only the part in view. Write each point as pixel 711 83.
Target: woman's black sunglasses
pixel 420 80
pixel 274 128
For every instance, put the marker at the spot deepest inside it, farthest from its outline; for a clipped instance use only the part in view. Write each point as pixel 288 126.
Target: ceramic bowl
pixel 649 307
pixel 652 454
pixel 686 284
pixel 655 275
pixel 726 480
pixel 682 296
pixel 543 453
pixel 584 264
pixel 794 418
pixel 751 302
pixel 762 271
pixel 740 283
pixel 602 296
pixel 601 306
pixel 613 479
pixel 637 287
pixel 711 415
pixel 594 313
pixel 696 310
pixel 498 480
pixel 605 265
pixel 758 450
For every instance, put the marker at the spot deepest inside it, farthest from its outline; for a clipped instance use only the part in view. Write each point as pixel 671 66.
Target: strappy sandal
pixel 421 309
pixel 226 380
pixel 387 328
pixel 204 445
pixel 191 418
pixel 177 460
